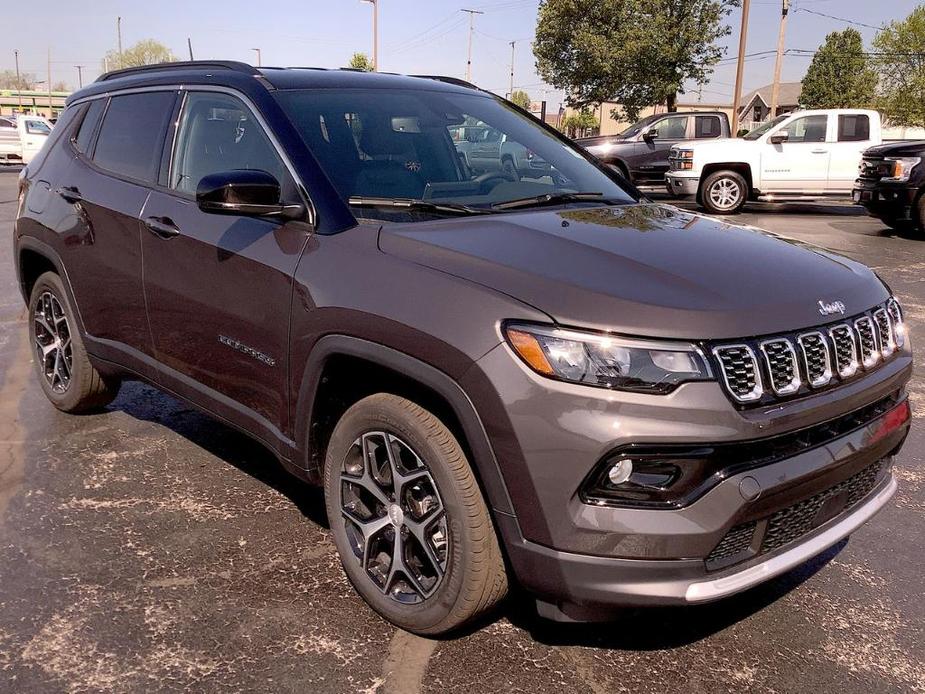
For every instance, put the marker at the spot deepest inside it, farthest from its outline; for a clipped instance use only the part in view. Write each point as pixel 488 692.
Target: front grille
pixel 740 371
pixel 794 522
pixel 756 371
pixel 872 169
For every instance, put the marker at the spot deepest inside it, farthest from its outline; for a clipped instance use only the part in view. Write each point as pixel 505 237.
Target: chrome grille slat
pixel 816 359
pixel 896 314
pixel 740 372
pixel 867 341
pixel 885 332
pixel 846 351
pixel 781 360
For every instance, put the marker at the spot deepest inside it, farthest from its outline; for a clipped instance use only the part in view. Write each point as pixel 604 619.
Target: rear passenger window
pixel 706 127
pixel 132 134
pixel 88 125
pixel 854 128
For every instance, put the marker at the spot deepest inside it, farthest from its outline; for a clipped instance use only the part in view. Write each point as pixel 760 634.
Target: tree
pixel 8 80
pixel 579 123
pixel 840 75
pixel 60 86
pixel 898 50
pixel 361 61
pixel 521 98
pixel 636 52
pixel 145 52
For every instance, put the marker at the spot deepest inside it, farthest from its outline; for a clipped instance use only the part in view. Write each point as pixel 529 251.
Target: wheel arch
pixel 343 369
pixel 33 258
pixel 740 167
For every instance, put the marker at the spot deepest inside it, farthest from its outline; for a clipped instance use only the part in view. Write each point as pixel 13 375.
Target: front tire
pixel 67 377
pixel 413 533
pixel 723 192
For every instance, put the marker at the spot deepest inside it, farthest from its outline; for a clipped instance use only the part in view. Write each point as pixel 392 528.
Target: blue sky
pixel 416 36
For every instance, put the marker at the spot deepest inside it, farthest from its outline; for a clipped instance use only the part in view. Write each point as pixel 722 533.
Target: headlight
pixel 607 361
pixel 900 333
pixel 681 159
pixel 901 168
pixel 684 153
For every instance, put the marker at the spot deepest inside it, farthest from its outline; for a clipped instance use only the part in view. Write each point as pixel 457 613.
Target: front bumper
pixel 886 200
pixel 682 184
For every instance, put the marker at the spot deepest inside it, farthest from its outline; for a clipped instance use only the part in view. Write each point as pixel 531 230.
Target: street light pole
pixel 775 89
pixel 80 76
pixel 375 4
pixel 259 59
pixel 511 95
pixel 18 81
pixel 119 36
pixel 740 66
pixel 472 14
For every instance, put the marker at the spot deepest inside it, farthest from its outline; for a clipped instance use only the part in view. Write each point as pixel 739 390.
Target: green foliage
pixel 578 123
pixel 8 80
pixel 521 98
pixel 898 49
pixel 145 52
pixel 636 52
pixel 361 61
pixel 840 75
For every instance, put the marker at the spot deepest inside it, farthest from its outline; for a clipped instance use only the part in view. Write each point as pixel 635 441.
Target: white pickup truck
pixel 799 156
pixel 22 137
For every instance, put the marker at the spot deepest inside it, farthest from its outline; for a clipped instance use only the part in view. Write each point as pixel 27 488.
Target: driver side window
pixel 218 133
pixel 806 129
pixel 672 128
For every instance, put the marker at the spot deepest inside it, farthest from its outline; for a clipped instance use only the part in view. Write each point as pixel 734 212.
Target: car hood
pixel 896 149
pixel 642 269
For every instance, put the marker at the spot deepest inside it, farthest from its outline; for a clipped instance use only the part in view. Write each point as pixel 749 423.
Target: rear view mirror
pixel 779 138
pixel 244 192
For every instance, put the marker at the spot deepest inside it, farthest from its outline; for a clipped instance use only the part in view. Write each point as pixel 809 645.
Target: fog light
pixel 620 472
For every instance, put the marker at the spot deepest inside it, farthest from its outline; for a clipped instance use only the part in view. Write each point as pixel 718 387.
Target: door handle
pixel 162 227
pixel 70 194
pixel 820 151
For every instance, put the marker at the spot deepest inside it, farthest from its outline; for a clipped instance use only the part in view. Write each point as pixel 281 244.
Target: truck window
pixel 806 129
pixel 706 127
pixel 88 125
pixel 853 128
pixel 37 127
pixel 674 128
pixel 132 134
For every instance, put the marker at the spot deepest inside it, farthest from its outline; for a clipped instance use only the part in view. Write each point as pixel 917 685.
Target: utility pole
pixel 189 44
pixel 51 111
pixel 80 76
pixel 259 60
pixel 740 66
pixel 472 14
pixel 18 81
pixel 775 89
pixel 511 95
pixel 375 4
pixel 119 36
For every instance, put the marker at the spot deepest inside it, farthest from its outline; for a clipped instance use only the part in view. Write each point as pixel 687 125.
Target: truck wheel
pixel 919 217
pixel 414 535
pixel 723 192
pixel 65 373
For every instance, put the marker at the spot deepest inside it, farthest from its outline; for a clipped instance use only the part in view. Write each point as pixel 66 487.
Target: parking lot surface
pixel 149 548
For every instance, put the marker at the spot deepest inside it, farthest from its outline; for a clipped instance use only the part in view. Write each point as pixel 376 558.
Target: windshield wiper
pixel 550 199
pixel 414 204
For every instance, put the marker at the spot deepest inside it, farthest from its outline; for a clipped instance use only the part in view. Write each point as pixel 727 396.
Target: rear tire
pixel 723 192
pixel 67 377
pixel 395 474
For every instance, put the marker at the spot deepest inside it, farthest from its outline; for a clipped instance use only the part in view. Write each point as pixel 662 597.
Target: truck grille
pixel 788 365
pixel 794 522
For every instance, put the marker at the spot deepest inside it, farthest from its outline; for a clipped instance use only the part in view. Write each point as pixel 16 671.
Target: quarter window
pixel 132 135
pixel 88 125
pixel 854 128
pixel 218 133
pixel 806 129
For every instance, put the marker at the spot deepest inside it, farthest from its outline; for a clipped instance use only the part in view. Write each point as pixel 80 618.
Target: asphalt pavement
pixel 149 548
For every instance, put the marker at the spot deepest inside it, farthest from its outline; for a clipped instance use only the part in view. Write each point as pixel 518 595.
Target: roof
pixel 232 73
pixel 789 94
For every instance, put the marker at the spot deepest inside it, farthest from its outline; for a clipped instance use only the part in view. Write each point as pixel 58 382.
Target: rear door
pixel 219 287
pixel 851 138
pixel 650 161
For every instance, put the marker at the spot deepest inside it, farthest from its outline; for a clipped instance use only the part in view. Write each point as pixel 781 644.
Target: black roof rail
pixel 449 80
pixel 181 65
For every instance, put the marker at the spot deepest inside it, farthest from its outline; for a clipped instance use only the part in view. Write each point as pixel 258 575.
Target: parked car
pixel 22 137
pixel 801 156
pixel 608 401
pixel 891 184
pixel 485 149
pixel 640 152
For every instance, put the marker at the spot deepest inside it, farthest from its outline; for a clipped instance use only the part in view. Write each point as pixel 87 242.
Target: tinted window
pixel 4 123
pixel 706 127
pixel 37 127
pixel 218 133
pixel 132 134
pixel 806 129
pixel 88 125
pixel 672 128
pixel 853 128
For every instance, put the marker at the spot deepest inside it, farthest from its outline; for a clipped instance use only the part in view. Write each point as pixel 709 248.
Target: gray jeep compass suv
pixel 542 380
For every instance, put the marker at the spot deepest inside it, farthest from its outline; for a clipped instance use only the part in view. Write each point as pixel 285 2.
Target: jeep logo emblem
pixel 827 309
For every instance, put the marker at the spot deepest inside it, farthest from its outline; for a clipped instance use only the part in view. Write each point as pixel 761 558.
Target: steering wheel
pixel 488 176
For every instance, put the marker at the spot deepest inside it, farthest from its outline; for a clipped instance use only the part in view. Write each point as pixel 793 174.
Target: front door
pixel 651 155
pixel 219 287
pixel 801 164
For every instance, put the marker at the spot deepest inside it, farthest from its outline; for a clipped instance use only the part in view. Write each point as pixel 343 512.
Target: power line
pixel 838 19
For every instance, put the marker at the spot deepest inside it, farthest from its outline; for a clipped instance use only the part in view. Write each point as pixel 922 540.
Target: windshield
pixel 636 128
pixel 762 129
pixel 442 147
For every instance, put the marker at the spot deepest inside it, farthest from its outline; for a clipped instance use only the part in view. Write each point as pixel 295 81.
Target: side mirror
pixel 779 138
pixel 650 135
pixel 244 192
